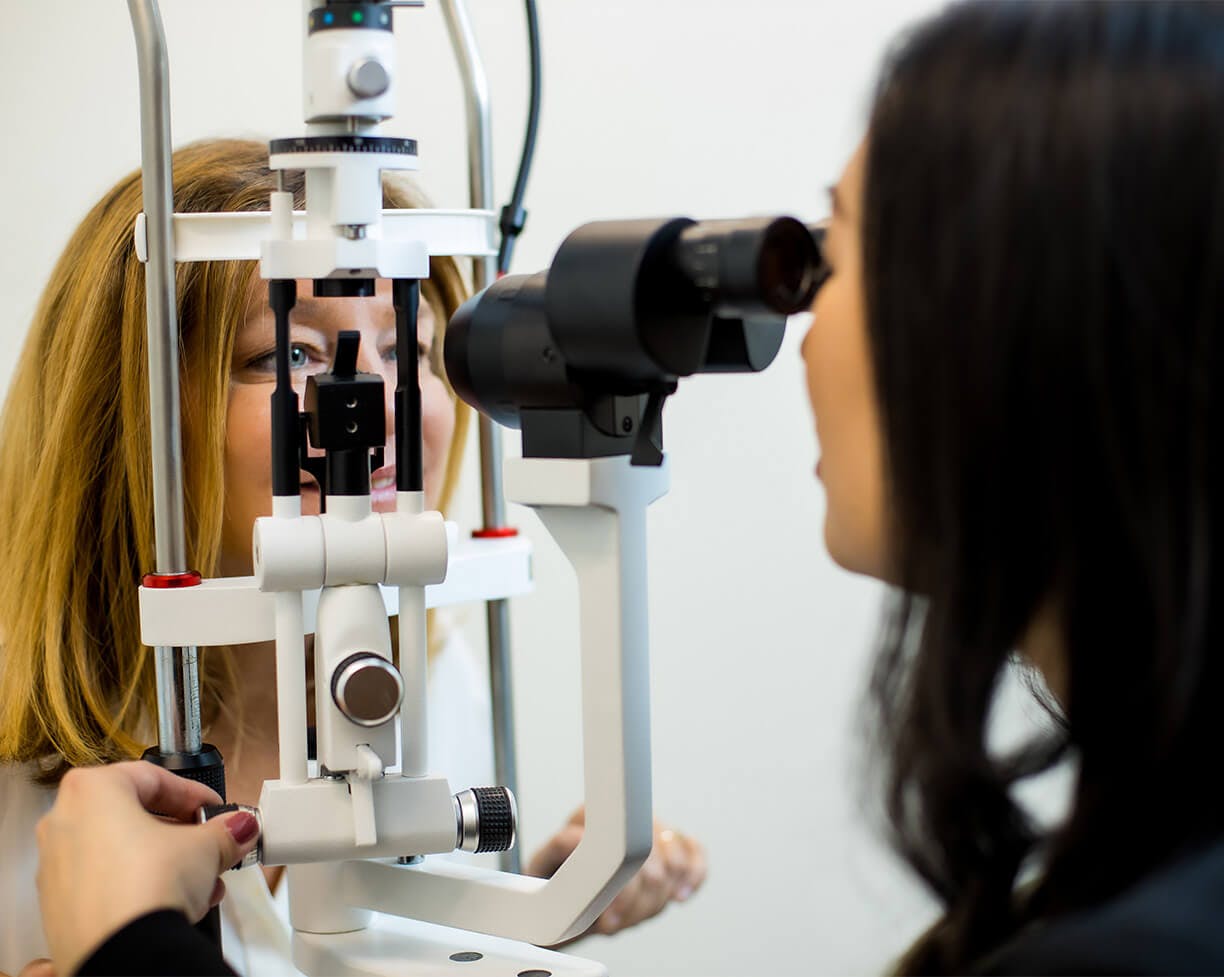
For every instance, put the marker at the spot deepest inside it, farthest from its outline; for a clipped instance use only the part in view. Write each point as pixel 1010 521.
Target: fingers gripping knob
pixel 210 811
pixel 204 766
pixel 487 818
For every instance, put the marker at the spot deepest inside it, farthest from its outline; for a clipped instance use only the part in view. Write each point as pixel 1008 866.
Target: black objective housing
pixel 582 356
pixel 346 417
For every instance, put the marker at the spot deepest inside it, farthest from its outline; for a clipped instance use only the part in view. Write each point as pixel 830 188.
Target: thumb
pixel 236 835
pixel 216 846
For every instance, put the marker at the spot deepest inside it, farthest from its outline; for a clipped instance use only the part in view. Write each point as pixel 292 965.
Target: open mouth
pixel 382 481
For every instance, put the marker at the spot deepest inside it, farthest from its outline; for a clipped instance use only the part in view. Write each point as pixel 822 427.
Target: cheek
pixel 842 390
pixel 247 447
pixel 247 425
pixel 248 474
pixel 437 426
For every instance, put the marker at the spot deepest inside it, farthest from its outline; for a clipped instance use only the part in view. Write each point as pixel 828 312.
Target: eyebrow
pixel 308 303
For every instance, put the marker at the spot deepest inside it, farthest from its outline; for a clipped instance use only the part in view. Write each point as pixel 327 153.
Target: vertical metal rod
pixel 178 688
pixel 493 505
pixel 410 497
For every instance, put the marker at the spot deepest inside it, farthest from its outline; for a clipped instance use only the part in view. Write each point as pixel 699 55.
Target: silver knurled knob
pixel 487 819
pixel 210 811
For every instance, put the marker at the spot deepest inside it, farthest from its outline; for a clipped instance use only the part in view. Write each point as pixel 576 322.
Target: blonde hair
pixel 75 471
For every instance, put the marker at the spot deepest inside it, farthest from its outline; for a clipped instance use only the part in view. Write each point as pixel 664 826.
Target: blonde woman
pixel 76 504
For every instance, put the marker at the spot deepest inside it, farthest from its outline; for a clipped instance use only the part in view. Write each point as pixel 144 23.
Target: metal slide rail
pixel 492 495
pixel 178 683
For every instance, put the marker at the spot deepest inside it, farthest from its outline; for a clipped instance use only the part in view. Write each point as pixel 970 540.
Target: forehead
pixel 257 307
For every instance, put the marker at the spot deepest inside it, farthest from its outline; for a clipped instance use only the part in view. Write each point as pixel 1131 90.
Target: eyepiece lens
pixel 788 266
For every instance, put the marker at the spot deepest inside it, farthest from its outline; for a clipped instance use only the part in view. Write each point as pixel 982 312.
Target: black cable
pixel 513 216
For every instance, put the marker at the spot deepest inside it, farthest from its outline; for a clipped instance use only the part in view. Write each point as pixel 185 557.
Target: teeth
pixel 383 481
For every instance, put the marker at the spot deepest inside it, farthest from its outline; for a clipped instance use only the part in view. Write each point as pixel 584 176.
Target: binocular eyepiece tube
pixel 577 355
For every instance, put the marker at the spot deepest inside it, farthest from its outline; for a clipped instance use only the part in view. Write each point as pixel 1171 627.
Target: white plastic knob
pixel 368 78
pixel 288 553
pixel 416 547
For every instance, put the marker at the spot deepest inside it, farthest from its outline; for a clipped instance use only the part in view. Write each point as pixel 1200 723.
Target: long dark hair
pixel 1043 228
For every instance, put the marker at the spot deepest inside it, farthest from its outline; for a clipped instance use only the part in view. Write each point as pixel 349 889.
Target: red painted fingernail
pixel 242 827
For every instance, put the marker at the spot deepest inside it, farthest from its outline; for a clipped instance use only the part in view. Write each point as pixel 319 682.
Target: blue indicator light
pixel 328 17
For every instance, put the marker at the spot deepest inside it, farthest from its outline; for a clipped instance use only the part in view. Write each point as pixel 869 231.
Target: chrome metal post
pixel 178 691
pixel 493 504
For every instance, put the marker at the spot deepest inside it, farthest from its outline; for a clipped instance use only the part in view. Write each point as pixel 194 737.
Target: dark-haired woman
pixel 1015 373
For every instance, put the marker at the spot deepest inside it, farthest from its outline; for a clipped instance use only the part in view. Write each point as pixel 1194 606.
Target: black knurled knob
pixel 208 768
pixel 496 807
pixel 205 767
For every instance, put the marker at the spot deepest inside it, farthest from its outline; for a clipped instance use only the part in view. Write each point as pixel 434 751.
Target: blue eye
pixel 298 357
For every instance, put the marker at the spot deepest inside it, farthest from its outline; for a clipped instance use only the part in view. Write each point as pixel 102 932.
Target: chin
pixel 844 552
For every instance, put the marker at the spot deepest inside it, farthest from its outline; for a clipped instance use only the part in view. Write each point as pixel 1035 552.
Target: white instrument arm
pixel 596 511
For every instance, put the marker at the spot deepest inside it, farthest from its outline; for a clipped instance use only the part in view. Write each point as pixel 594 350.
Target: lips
pixel 380 478
pixel 382 489
pixel 383 478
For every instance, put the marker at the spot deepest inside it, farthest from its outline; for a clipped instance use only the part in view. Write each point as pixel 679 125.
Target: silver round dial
pixel 367 689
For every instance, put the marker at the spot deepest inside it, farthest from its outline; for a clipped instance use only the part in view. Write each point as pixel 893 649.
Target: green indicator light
pixel 358 16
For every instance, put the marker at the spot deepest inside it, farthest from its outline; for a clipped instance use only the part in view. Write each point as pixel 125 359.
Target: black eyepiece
pixel 788 267
pixel 751 266
pixel 580 355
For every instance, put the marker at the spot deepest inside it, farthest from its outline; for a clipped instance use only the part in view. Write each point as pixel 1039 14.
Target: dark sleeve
pixel 159 943
pixel 1157 930
pixel 1064 952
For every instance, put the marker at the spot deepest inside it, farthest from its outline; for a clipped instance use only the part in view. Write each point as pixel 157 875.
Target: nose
pixel 807 338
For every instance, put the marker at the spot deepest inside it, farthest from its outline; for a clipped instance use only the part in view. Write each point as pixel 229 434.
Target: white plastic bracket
pixel 237 237
pixel 369 768
pixel 596 511
pixel 234 611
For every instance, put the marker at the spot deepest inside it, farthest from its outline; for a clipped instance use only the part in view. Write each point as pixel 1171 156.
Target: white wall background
pixel 651 107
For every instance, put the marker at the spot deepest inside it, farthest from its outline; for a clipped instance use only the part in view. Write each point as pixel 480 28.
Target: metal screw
pixel 351 403
pixel 351 427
